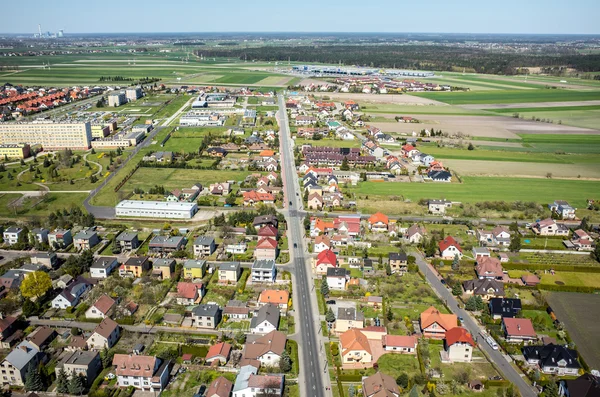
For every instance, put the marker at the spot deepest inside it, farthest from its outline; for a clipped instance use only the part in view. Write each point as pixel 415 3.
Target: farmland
pixel 574 311
pixel 510 96
pixel 477 189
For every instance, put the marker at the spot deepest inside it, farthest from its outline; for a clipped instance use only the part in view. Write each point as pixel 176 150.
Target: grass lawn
pixel 32 206
pixel 393 364
pixel 477 189
pixel 328 142
pixel 577 279
pixel 478 369
pixel 511 96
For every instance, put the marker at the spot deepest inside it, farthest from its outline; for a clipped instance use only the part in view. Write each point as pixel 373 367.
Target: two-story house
pixel 79 362
pixel 263 271
pixel 204 246
pixel 206 316
pixel 12 235
pixel 86 240
pixel 146 373
pixel 229 272
pixel 435 324
pixel 103 266
pixel 60 238
pixel 71 295
pixel 458 345
pixel 266 319
pixel 348 318
pixel 102 308
pixel 449 248
pixel 194 269
pixel 398 262
pixel 189 293
pixel 337 278
pixel 105 335
pixel 128 241
pixel 135 267
pixel 17 363
pixel 163 268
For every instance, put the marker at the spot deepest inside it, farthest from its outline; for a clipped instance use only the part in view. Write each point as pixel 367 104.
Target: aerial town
pixel 209 225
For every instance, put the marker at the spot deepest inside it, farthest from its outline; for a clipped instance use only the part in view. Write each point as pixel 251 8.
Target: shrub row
pixel 563 268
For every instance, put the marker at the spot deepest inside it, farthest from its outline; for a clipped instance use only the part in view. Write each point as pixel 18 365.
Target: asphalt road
pixel 308 340
pixel 506 370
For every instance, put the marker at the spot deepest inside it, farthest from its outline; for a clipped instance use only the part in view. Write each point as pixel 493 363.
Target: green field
pixel 578 116
pixel 477 189
pixel 499 153
pixel 419 109
pixel 33 207
pixel 511 96
pixel 328 142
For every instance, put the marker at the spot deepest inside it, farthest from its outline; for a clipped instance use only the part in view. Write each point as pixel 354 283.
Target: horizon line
pixel 320 32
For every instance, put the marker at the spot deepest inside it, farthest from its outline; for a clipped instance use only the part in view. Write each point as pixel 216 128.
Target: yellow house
pixel 134 267
pixel 163 268
pixel 193 269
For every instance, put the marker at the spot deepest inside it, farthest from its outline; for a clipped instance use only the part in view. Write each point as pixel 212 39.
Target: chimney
pixel 519 327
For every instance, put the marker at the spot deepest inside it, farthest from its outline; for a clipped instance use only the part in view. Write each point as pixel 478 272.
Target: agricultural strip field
pixel 477 189
pixel 510 96
pixel 390 110
pixel 518 169
pixel 584 116
pixel 490 127
pixel 574 310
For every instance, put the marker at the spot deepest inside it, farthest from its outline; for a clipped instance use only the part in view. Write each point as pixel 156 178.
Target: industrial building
pixel 156 209
pixel 195 118
pixel 117 99
pixel 321 70
pixel 214 101
pixel 48 134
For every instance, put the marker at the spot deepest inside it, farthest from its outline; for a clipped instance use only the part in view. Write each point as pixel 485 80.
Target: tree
pixel 345 166
pixel 62 382
pixel 471 147
pixel 106 357
pixel 77 384
pixel 351 391
pixel 457 289
pixel 442 388
pixel 551 389
pixel 390 314
pixel 324 287
pixel 431 247
pixel 230 200
pixel 330 315
pixel 35 285
pixel 33 379
pixel 402 380
pixel 474 303
pixel 285 362
pixel 596 253
pixel 455 262
pixel 388 269
pixel 515 242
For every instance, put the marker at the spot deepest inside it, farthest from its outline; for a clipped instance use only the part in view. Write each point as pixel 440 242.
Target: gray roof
pixel 337 272
pixel 192 263
pixel 481 250
pixel 45 255
pixel 398 256
pixel 14 274
pixel 167 241
pixel 126 236
pixel 78 357
pixel 163 262
pixel 229 266
pixel 136 261
pixel 267 312
pixel 22 354
pixel 241 381
pixel 263 264
pixel 103 262
pixel 85 234
pixel 13 229
pixel 38 230
pixel 349 313
pixel 30 267
pixel 204 240
pixel 206 310
pixel 482 286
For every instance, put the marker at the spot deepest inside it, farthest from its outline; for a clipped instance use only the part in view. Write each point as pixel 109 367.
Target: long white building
pixel 48 134
pixel 156 209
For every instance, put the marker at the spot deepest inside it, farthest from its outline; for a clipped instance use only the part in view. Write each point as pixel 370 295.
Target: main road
pixel 312 364
pixel 495 356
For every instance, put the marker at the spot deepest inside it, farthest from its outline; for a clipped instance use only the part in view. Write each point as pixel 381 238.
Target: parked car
pixel 331 302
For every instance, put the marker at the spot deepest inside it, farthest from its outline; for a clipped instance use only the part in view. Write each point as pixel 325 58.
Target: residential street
pixel 495 356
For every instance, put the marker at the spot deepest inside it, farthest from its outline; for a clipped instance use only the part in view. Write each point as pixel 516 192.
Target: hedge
pixel 567 288
pixel 539 266
pixel 350 378
pixel 496 383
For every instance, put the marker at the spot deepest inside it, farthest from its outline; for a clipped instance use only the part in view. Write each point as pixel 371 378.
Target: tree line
pixel 434 57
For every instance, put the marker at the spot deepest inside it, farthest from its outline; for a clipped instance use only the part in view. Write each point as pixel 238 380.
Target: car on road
pixel 443 281
pixel 331 302
pixel 290 203
pixel 295 245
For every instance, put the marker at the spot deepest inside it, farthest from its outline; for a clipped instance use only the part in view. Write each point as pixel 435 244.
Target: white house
pixel 458 345
pixel 337 278
pixel 71 295
pixel 146 373
pixel 265 320
pixel 103 266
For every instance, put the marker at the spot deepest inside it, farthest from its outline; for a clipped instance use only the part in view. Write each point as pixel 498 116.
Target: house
pixel 102 308
pixel 219 387
pixel 581 241
pixel 189 293
pixel 236 310
pixel 147 373
pixel 41 337
pixel 206 316
pixel 39 235
pixel 86 363
pixel 562 209
pixel 11 235
pixel 71 295
pixel 458 345
pixel 530 280
pixel 105 334
pixel 587 385
pixel 399 343
pixel 440 176
pixel 434 324
pixel 480 252
pixel 266 350
pixel 166 244
pixel 103 266
pixel 415 234
pixel 218 352
pixel 268 231
pixel 229 272
pixel 374 301
pixel 249 384
pixel 263 271
pixel 488 267
pixel 7 330
pixel 219 189
pixel 128 241
pixel 216 152
pixel 378 222
pixel 194 269
pixel 518 330
pixel 380 385
pixel 265 320
pixel 163 268
pixel 355 348
pixel 553 359
pixel 235 247
pixel 324 260
pixel 398 262
pixel 253 197
pixel 337 277
pixel 85 240
pixel 12 279
pixel 264 220
pixel 501 236
pixel 60 238
pixel 315 201
pixel 17 363
pixel 504 307
pixel 449 248
pixel 135 267
pixel 438 207
pixel 46 259
pixel 266 249
pixel 549 227
pixel 348 318
pixel 280 298
pixel 485 287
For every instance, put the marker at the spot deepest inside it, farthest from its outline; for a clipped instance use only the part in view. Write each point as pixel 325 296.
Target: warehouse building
pixel 156 209
pixel 48 134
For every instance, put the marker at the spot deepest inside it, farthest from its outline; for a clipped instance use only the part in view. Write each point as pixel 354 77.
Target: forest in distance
pixel 429 57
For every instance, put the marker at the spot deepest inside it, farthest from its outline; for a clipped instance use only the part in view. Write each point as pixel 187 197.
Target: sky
pixel 439 16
